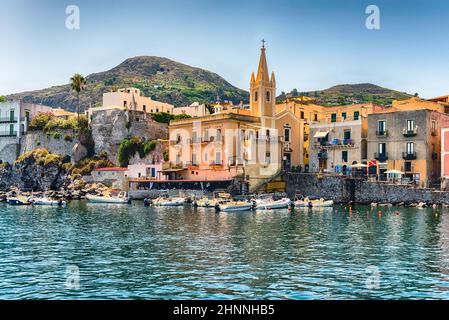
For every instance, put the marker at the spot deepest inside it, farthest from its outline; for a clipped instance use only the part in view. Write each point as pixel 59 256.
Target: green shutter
pixel 333 117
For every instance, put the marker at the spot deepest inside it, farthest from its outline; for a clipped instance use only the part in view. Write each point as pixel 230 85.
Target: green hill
pixel 160 78
pixel 350 94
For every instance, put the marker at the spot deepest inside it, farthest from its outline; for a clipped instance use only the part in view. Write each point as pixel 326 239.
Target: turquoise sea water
pixel 134 252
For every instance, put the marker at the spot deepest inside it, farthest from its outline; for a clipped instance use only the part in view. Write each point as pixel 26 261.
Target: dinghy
pixel 121 198
pixel 235 206
pixel 270 204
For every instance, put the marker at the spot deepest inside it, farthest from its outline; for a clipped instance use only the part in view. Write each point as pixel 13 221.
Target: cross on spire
pixel 263 43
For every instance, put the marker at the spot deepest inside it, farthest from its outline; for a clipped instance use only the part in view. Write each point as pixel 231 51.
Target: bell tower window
pixel 256 96
pixel 268 96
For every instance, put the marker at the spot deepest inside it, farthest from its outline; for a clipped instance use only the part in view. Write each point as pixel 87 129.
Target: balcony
pixel 336 144
pixel 192 165
pixel 8 120
pixel 410 133
pixel 409 155
pixel 381 156
pixel 382 134
pixel 5 134
pixel 322 156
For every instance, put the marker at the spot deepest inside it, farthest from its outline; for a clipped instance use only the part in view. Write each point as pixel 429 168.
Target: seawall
pixel 343 190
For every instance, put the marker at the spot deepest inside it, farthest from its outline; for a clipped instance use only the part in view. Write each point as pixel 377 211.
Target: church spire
pixel 262 71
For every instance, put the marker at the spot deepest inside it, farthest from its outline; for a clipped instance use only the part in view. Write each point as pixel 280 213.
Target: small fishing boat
pixel 47 202
pixel 204 203
pixel 270 204
pixel 235 206
pixel 121 198
pixel 18 201
pixel 307 203
pixel 169 202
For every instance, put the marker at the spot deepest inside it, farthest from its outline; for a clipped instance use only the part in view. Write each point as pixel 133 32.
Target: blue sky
pixel 311 45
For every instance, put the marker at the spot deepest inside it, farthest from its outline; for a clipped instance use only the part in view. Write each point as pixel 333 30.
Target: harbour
pixel 137 252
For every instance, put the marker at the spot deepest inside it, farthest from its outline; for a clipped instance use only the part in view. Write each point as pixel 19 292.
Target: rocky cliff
pixel 111 127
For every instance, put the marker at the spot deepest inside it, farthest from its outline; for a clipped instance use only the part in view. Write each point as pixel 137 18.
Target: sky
pixel 311 45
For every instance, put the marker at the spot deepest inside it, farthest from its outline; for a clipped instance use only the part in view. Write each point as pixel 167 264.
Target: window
pixel 316 117
pixel 218 134
pixel 382 148
pixel 410 147
pixel 343 116
pixel 268 96
pixel 410 125
pixel 302 114
pixel 333 117
pixel 145 108
pixel 157 110
pixel 287 134
pixel 256 96
pixel 407 166
pixel 218 157
pixel 356 115
pixel 347 134
pixel 381 127
pixel 344 156
pixel 125 104
pixel 434 127
pixel 205 157
pixel 193 159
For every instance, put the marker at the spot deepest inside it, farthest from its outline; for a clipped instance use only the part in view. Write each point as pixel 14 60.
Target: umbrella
pixel 394 171
pixel 359 166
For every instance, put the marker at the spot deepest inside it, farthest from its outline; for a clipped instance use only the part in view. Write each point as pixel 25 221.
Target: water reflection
pixel 183 253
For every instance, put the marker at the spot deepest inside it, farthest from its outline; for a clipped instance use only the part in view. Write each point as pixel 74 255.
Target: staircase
pixel 261 184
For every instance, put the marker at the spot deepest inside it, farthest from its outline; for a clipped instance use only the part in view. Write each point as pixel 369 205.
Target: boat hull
pixel 95 199
pixel 282 204
pixel 235 208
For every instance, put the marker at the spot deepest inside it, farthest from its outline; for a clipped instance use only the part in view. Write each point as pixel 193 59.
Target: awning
pixel 321 134
pixel 172 170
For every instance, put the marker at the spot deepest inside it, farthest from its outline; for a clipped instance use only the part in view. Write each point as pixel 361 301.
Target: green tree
pixel 77 83
pixel 2 99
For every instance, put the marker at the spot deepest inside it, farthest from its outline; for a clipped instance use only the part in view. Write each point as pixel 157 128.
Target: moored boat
pixel 169 202
pixel 307 203
pixel 18 201
pixel 235 206
pixel 47 202
pixel 270 204
pixel 121 198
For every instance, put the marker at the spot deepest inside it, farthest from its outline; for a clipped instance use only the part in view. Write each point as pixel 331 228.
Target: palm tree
pixel 77 83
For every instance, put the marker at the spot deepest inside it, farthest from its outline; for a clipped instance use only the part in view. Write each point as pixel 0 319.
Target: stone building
pixel 408 141
pixel 338 137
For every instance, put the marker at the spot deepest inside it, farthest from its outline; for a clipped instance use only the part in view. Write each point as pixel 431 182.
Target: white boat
pixel 47 202
pixel 270 204
pixel 18 201
pixel 204 203
pixel 235 206
pixel 169 202
pixel 121 198
pixel 306 203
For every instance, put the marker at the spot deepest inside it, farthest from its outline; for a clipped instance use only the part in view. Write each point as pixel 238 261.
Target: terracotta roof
pixel 112 169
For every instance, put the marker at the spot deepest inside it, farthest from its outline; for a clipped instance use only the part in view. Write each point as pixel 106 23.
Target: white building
pixel 144 171
pixel 15 117
pixel 131 99
pixel 194 110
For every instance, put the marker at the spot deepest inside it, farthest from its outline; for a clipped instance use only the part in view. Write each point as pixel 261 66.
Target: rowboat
pixel 235 206
pixel 270 204
pixel 306 203
pixel 18 201
pixel 169 202
pixel 121 198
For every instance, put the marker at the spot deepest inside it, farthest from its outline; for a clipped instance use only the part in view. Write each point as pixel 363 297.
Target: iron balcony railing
pixel 409 155
pixel 381 156
pixel 383 133
pixel 8 134
pixel 409 132
pixel 8 120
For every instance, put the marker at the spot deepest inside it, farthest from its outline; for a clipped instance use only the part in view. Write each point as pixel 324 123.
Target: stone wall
pixel 9 148
pixel 343 190
pixel 109 128
pixel 38 139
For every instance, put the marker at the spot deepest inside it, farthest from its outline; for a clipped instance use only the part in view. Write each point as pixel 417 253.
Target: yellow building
pixel 236 140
